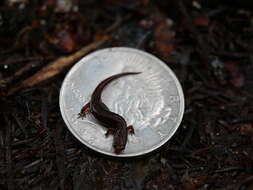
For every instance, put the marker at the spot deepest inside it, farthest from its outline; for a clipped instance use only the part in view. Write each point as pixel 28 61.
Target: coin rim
pixel 120 49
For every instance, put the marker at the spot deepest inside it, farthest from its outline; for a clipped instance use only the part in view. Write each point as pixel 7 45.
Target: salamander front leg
pixel 85 110
pixel 130 129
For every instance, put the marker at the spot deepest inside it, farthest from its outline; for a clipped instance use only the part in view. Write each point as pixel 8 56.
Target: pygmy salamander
pixel 115 123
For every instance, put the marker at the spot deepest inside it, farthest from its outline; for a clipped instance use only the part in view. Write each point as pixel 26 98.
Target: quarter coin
pixel 152 101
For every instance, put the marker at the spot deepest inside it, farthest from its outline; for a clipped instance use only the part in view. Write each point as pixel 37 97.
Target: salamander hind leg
pixel 84 111
pixel 130 129
pixel 110 131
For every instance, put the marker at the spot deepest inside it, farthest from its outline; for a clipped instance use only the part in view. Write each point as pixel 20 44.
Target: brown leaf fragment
pixel 187 184
pixel 164 39
pixel 201 20
pixel 64 41
pixel 245 129
pixel 191 183
pixel 69 35
pixel 199 180
pixel 236 78
pixel 56 67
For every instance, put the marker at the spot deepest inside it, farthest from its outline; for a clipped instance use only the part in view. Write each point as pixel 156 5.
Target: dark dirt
pixel 208 44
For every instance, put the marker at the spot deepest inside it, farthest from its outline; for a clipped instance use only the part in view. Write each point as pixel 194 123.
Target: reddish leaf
pixel 70 35
pixel 191 183
pixel 46 6
pixel 63 40
pixel 200 180
pixel 246 129
pixel 187 184
pixel 164 39
pixel 201 20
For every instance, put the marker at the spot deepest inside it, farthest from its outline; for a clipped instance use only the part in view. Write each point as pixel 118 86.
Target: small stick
pixel 27 59
pixel 56 67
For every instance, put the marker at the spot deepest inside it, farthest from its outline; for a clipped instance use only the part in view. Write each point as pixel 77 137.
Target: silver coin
pixel 152 101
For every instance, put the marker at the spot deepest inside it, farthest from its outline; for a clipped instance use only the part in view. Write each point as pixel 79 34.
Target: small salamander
pixel 115 123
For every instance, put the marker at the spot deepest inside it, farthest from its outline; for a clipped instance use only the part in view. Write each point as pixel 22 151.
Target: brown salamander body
pixel 115 123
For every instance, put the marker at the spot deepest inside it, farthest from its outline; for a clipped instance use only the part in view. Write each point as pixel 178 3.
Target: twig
pixel 235 168
pixel 15 117
pixel 8 153
pixel 56 67
pixel 44 113
pixel 60 159
pixel 233 55
pixel 17 41
pixel 143 39
pixel 203 49
pixel 115 25
pixel 188 136
pixel 7 81
pixel 241 120
pixel 245 181
pixel 27 59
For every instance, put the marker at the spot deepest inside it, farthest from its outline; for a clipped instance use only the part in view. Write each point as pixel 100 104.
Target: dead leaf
pixel 45 7
pixel 200 20
pixel 245 129
pixel 64 41
pixel 199 180
pixel 164 39
pixel 236 77
pixel 70 35
pixel 187 184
